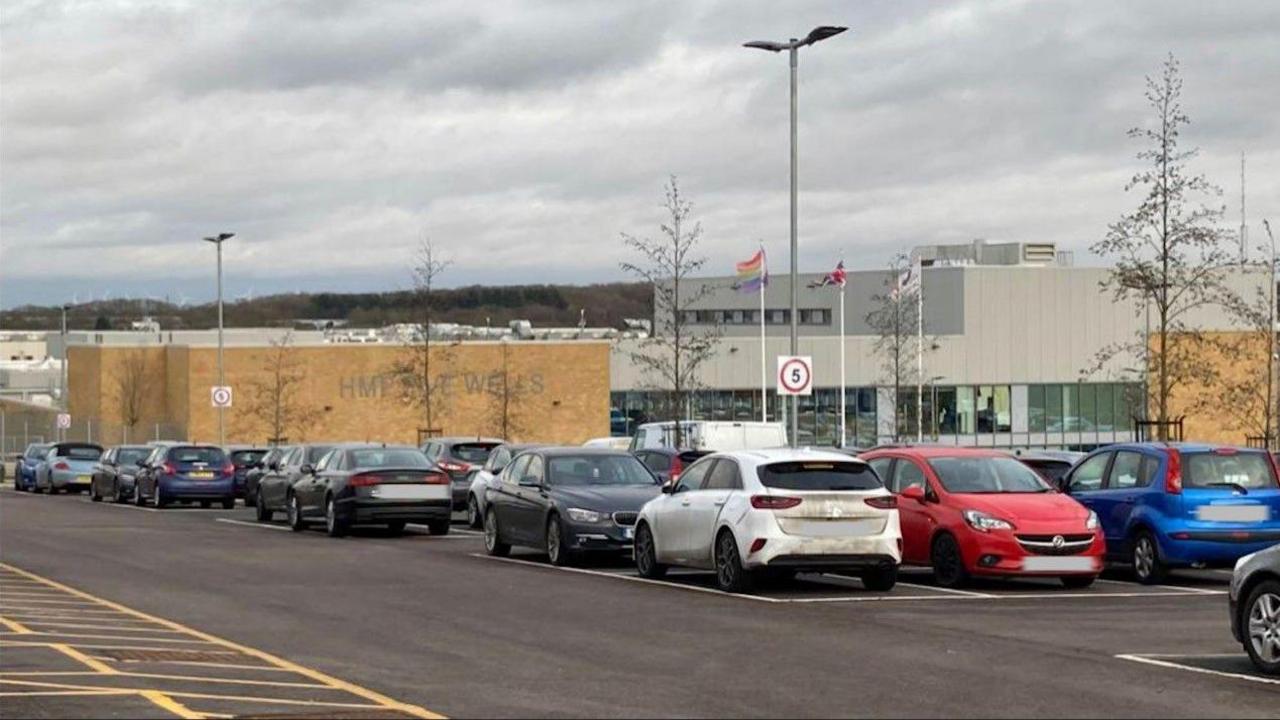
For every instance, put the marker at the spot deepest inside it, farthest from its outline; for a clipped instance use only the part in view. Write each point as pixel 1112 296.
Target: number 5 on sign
pixel 220 396
pixel 795 375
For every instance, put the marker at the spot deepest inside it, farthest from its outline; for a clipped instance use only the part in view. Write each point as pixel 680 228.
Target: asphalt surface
pixel 430 624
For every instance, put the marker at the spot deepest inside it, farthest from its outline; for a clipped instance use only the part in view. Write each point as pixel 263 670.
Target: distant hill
pixel 545 305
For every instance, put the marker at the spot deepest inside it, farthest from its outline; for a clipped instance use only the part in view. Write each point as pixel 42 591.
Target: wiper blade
pixel 1236 486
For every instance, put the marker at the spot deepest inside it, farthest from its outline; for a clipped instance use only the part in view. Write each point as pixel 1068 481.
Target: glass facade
pixel 1056 415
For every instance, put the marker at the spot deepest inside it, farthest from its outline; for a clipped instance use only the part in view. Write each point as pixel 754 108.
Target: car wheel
pixel 116 496
pixel 557 553
pixel 492 539
pixel 35 488
pixel 1148 568
pixel 206 504
pixel 880 579
pixel 948 563
pixel 1262 626
pixel 93 492
pixel 229 503
pixel 263 514
pixel 474 521
pixel 730 575
pixel 396 527
pixel 439 527
pixel 647 555
pixel 296 521
pixel 334 525
pixel 160 500
pixel 1077 582
pixel 138 498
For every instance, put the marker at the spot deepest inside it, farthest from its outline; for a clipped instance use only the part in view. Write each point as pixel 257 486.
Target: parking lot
pixel 115 610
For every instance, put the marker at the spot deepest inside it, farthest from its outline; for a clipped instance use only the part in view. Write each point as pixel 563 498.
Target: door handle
pixel 685 503
pixel 721 503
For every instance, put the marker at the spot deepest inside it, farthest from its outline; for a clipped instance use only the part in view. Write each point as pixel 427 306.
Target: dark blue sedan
pixel 24 473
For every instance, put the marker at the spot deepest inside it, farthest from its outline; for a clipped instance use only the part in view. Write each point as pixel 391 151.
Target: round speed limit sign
pixel 795 375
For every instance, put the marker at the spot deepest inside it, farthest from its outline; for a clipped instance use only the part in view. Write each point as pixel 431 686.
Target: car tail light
pixel 436 479
pixel 364 480
pixel 228 469
pixel 169 469
pixel 449 466
pixel 61 466
pixel 1173 475
pixel 1224 451
pixel 757 545
pixel 884 502
pixel 773 502
pixel 676 467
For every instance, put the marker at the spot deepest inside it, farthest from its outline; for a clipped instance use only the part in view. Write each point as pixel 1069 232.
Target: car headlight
pixel 1092 522
pixel 587 516
pixel 983 522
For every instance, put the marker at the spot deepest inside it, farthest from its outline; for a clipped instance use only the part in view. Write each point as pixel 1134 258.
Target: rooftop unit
pixel 980 252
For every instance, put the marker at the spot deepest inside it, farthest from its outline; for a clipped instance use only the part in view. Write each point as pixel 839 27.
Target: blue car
pixel 186 473
pixel 1171 505
pixel 24 473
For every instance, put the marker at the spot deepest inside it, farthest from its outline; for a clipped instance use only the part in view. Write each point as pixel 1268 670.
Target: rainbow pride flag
pixel 753 274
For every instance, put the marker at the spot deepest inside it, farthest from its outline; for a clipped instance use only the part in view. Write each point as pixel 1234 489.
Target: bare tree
pixel 671 355
pixel 131 386
pixel 1248 394
pixel 1168 254
pixel 274 395
pixel 507 392
pixel 412 370
pixel 895 319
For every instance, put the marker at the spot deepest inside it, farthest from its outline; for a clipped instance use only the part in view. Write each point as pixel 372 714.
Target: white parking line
pixel 246 523
pixel 1164 663
pixel 452 531
pixel 122 506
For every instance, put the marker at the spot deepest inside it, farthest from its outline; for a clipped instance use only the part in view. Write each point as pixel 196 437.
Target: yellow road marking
pixel 114 628
pixel 158 676
pixel 91 636
pixel 378 698
pixel 200 696
pixel 97 665
pixel 171 705
pixel 16 627
pixel 48 693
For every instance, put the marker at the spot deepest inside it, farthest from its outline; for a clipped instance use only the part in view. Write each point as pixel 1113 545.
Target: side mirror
pixel 915 492
pixel 308 469
pixel 668 489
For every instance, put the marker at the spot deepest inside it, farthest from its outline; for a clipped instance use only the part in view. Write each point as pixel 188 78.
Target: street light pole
pixel 66 401
pixel 793 49
pixel 217 241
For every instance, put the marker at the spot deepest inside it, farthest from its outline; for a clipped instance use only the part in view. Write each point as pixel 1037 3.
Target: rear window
pixel 1249 470
pixel 475 453
pixel 388 458
pixel 819 476
pixel 247 457
pixel 82 452
pixel 206 455
pixel 131 456
pixel 315 452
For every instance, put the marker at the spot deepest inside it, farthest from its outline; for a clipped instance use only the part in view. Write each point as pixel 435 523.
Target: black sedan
pixel 272 491
pixel 365 484
pixel 668 463
pixel 1254 603
pixel 116 473
pixel 244 459
pixel 568 501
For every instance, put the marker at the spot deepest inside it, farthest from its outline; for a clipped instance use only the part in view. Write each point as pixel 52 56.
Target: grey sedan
pixel 1254 603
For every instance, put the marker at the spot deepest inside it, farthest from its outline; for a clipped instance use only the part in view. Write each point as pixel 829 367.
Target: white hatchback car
pixel 779 512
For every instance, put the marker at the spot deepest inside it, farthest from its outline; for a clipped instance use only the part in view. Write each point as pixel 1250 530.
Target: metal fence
pixel 22 427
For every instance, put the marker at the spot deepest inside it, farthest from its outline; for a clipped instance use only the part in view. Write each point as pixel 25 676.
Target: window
pixel 1106 415
pixel 1035 408
pixel 1088 408
pixel 1227 470
pixel 498 460
pixel 882 466
pixel 831 476
pixel 691 479
pixel 388 458
pixel 987 475
pixel 1126 471
pixel 815 316
pixel 986 409
pixel 193 454
pixel 1088 476
pixel 657 462
pixel 724 476
pixel 1053 408
pixel 907 474
pixel 534 472
pixel 323 463
pixel 515 470
pixel 1071 420
pixel 315 452
pixel 1004 409
pixel 944 417
pixel 475 453
pixel 964 411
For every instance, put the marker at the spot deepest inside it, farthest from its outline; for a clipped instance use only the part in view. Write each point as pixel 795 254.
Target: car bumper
pixel 1216 548
pixel 70 480
pixel 363 511
pixel 999 554
pixel 198 489
pixel 799 552
pixel 599 537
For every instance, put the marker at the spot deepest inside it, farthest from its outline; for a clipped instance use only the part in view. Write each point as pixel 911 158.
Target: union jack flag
pixel 835 277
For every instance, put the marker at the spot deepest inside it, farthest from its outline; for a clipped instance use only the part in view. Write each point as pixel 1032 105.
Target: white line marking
pixel 120 506
pixel 965 593
pixel 1191 668
pixel 459 531
pixel 246 523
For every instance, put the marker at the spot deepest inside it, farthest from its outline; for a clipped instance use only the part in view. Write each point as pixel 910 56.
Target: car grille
pixel 625 519
pixel 1047 545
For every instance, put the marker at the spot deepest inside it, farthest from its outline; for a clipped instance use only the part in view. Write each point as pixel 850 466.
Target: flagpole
pixel 764 372
pixel 920 354
pixel 842 376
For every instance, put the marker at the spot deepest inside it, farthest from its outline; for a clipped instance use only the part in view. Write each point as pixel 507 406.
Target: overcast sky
pixel 523 137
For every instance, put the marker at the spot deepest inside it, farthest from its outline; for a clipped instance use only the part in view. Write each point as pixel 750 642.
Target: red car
pixel 972 512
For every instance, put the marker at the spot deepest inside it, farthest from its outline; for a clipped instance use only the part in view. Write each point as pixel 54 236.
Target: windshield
pixel 206 455
pixel 131 456
pixel 37 451
pixel 1052 470
pixel 388 458
pixel 247 457
pixel 597 470
pixel 315 452
pixel 474 453
pixel 819 476
pixel 80 452
pixel 986 475
pixel 1247 470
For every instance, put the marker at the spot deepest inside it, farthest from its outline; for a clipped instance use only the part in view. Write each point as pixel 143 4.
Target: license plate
pixel 417 491
pixel 201 475
pixel 628 533
pixel 1049 563
pixel 83 479
pixel 1233 513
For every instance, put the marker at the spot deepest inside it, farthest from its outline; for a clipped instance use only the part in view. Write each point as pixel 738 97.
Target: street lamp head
pixel 220 237
pixel 822 32
pixel 766 45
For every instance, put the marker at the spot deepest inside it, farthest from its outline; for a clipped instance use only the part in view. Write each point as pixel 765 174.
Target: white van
pixel 717 436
